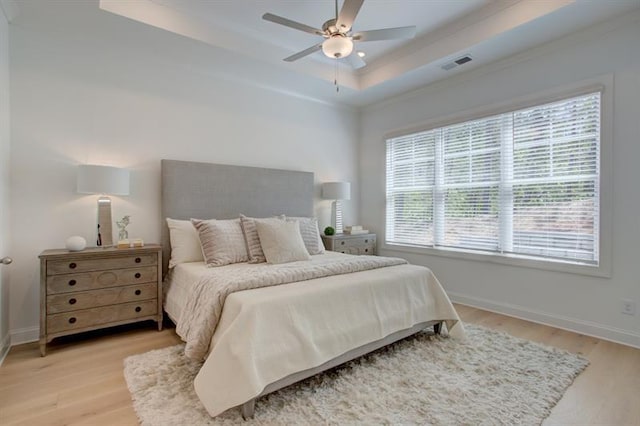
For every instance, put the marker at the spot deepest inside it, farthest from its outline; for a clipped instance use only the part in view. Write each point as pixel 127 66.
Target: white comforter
pixel 204 304
pixel 266 334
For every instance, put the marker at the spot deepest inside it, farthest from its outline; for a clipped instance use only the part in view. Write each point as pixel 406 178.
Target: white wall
pixel 4 183
pixel 91 87
pixel 587 304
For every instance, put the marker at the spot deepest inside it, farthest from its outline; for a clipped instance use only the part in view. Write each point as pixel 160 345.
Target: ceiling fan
pixel 339 38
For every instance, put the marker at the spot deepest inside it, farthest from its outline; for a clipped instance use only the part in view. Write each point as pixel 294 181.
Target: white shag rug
pixel 490 378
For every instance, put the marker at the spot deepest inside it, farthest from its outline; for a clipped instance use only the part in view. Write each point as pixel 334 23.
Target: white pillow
pixel 252 240
pixel 222 241
pixel 281 241
pixel 310 234
pixel 185 244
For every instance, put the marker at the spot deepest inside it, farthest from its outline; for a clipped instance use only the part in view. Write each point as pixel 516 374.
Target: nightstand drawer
pixel 356 250
pixel 92 299
pixel 55 267
pixel 355 242
pixel 98 316
pixel 100 279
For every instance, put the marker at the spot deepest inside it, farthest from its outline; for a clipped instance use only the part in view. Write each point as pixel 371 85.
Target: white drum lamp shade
pixel 336 191
pixel 103 180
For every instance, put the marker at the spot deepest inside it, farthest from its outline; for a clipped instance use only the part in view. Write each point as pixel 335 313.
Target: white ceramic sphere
pixel 75 243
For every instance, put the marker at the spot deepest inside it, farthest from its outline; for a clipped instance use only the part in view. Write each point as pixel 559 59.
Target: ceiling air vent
pixel 456 62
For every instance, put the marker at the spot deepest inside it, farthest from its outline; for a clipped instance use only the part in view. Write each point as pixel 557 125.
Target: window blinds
pixel 524 182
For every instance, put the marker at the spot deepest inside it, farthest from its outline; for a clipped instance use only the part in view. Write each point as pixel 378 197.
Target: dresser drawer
pixel 66 302
pixel 56 267
pixel 100 316
pixel 100 279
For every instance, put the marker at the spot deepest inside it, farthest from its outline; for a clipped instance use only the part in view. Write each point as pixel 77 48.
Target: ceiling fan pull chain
pixel 335 80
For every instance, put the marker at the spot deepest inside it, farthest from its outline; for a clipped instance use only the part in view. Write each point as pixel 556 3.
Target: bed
pixel 270 337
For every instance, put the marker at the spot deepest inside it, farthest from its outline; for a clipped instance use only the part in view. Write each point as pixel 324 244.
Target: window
pixel 524 183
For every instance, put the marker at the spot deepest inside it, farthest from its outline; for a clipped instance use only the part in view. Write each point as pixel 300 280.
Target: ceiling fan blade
pixel 386 34
pixel 303 53
pixel 356 61
pixel 347 15
pixel 291 24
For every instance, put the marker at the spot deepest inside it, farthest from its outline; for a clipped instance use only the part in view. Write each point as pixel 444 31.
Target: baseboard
pixel 24 335
pixel 4 347
pixel 587 328
pixel 616 335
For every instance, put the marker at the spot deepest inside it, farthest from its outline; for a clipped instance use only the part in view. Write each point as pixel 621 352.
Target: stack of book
pixel 355 230
pixel 134 242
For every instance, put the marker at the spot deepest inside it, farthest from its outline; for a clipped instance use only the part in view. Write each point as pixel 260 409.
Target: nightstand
pixel 351 244
pixel 97 288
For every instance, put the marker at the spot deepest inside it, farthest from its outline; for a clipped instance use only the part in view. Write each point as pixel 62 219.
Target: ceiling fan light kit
pixel 339 40
pixel 337 46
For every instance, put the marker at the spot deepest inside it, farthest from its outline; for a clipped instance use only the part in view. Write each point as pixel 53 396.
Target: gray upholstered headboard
pixel 206 191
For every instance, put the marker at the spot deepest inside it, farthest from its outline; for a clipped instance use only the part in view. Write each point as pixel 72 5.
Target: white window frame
pixel 604 84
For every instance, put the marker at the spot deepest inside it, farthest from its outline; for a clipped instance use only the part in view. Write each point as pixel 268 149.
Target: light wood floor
pixel 80 381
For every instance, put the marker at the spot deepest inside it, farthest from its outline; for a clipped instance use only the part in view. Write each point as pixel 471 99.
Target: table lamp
pixel 103 180
pixel 336 191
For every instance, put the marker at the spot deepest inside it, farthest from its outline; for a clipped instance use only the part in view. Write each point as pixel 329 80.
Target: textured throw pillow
pixel 281 241
pixel 222 241
pixel 310 234
pixel 252 240
pixel 185 244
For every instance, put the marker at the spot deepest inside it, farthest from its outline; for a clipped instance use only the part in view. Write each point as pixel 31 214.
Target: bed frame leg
pixel 437 328
pixel 248 409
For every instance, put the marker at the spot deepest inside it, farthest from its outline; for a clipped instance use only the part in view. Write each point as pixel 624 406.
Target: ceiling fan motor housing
pixel 330 28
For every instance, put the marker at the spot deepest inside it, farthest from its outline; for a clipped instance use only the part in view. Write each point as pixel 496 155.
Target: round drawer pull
pixel 138 308
pixel 342 242
pixel 72 265
pixel 366 250
pixel 138 292
pixel 72 320
pixel 137 275
pixel 366 241
pixel 72 301
pixel 72 282
pixel 138 260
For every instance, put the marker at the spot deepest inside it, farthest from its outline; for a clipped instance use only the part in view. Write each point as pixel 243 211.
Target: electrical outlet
pixel 628 307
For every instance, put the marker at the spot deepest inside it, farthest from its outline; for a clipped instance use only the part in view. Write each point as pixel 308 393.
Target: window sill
pixel 505 259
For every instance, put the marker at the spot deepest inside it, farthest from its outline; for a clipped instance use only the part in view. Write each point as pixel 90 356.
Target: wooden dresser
pixel 97 288
pixel 351 244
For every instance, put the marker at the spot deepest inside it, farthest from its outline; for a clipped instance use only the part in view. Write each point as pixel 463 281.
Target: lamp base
pixel 105 231
pixel 336 216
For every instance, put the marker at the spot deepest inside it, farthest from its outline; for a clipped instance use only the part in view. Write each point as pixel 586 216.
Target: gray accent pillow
pixel 281 241
pixel 222 241
pixel 310 234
